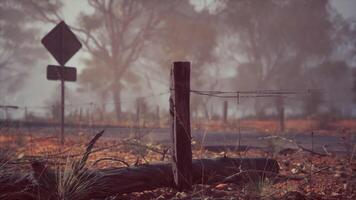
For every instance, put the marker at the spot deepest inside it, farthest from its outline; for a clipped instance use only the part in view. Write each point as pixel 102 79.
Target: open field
pixel 269 126
pixel 303 172
pixel 177 99
pixel 331 136
pixel 332 127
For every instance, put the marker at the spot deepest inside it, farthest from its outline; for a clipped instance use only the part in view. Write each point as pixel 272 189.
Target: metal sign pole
pixel 62 108
pixel 62 43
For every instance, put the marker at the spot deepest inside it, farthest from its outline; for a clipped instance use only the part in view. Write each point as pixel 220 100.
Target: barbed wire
pixel 212 93
pixel 255 93
pixel 123 100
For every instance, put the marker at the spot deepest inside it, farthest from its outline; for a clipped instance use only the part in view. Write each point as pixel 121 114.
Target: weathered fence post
pixel 225 111
pixel 80 114
pixel 158 117
pixel 138 111
pixel 87 117
pixel 281 114
pixel 180 115
pixel 26 114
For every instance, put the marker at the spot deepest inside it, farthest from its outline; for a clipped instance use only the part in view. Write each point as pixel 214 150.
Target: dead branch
pixel 111 159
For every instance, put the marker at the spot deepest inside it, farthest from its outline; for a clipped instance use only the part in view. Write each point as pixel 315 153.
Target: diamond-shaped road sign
pixel 58 72
pixel 61 43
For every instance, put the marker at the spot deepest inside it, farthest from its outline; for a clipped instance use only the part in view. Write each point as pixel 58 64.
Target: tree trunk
pixel 117 96
pixel 259 109
pixel 206 111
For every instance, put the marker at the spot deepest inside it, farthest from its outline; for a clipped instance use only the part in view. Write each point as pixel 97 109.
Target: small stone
pixel 335 194
pixel 294 171
pixel 161 197
pixel 181 195
pixel 21 155
pixel 221 186
pixel 337 175
pixel 300 166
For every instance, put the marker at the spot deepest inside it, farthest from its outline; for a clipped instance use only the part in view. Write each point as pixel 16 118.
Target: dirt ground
pixel 305 175
pixel 332 127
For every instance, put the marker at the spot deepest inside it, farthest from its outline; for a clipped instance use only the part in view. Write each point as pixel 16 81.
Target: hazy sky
pixel 345 7
pixel 34 97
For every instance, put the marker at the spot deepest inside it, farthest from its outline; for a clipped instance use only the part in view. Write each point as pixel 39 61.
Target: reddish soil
pixel 304 174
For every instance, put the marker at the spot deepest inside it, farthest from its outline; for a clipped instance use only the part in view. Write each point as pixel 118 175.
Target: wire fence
pixel 211 93
pixel 86 109
pixel 154 108
pixel 146 123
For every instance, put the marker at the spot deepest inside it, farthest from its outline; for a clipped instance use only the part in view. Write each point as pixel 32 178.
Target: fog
pixel 312 48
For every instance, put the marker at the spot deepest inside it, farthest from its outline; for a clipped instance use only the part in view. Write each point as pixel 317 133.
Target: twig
pixel 111 159
pixel 282 178
pixel 322 169
pixel 60 156
pixel 293 142
pixel 326 151
pixel 153 149
pixel 311 151
pixel 241 174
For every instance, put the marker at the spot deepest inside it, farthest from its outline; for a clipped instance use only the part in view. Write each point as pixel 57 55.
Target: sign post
pixel 62 43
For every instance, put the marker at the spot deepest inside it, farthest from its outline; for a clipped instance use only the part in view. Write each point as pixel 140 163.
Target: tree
pixel 171 28
pixel 190 35
pixel 277 40
pixel 115 35
pixel 312 103
pixel 18 47
pixel 335 77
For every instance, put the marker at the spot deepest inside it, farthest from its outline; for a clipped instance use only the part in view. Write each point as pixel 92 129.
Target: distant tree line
pixel 233 45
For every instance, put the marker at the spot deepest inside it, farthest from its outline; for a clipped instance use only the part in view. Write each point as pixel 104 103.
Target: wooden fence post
pixel 26 114
pixel 225 111
pixel 80 114
pixel 158 117
pixel 180 116
pixel 138 111
pixel 281 114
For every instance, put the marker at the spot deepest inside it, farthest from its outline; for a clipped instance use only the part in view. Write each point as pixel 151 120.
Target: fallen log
pixel 75 182
pixel 108 182
pixel 15 186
